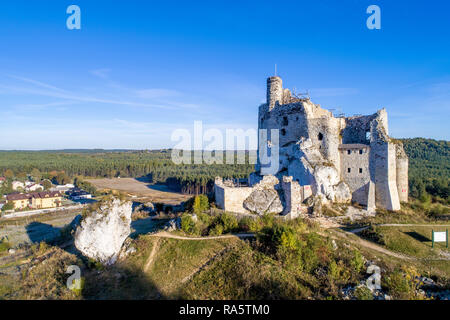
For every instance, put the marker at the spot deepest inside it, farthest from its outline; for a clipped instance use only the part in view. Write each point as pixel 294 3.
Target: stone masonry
pixel 339 159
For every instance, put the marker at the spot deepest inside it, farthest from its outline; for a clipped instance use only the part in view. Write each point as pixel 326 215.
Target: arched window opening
pixel 285 121
pixel 320 136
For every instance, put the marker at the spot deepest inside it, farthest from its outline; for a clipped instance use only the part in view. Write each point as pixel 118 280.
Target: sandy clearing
pixel 140 189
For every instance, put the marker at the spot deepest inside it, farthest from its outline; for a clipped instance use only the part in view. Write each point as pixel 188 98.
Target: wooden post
pixel 432 238
pixel 446 238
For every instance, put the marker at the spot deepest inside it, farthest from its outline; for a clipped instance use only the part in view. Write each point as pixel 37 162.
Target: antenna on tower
pixel 275 69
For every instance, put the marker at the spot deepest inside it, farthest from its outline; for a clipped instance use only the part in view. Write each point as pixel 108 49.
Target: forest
pixel 156 165
pixel 429 167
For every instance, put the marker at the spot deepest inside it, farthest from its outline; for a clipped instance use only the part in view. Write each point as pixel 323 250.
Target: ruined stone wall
pixel 383 173
pixel 384 177
pixel 324 133
pixel 293 197
pixel 355 171
pixel 274 91
pixel 231 199
pixel 402 173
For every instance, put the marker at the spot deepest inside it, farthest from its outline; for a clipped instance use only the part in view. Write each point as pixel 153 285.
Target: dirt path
pixel 151 257
pixel 344 235
pixel 411 225
pixel 358 230
pixel 165 234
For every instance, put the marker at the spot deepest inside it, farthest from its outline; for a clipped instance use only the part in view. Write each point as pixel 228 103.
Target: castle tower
pixel 274 91
pixel 402 174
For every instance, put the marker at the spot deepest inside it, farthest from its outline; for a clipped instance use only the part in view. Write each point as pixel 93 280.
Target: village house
pixel 34 187
pixel 16 185
pixel 36 200
pixel 2 180
pixel 63 187
pixel 78 194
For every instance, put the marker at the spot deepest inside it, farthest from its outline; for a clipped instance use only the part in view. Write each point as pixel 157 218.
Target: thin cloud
pixel 55 92
pixel 156 93
pixel 101 73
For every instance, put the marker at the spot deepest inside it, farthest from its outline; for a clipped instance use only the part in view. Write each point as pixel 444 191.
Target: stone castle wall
pixel 384 177
pixel 230 198
pixel 314 156
pixel 355 170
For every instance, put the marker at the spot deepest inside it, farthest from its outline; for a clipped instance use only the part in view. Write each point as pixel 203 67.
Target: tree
pixel 9 174
pixel 201 203
pixel 62 178
pixel 8 206
pixel 21 176
pixel 36 174
pixel 46 184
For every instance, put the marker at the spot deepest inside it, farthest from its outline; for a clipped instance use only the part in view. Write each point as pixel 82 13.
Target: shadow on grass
pixel 119 282
pixel 417 236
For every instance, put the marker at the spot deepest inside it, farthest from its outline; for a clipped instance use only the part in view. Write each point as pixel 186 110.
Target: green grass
pixel 177 259
pixel 413 241
pixel 4 246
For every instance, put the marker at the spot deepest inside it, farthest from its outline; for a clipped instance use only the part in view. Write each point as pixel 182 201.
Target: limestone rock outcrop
pixel 264 198
pixel 308 166
pixel 102 232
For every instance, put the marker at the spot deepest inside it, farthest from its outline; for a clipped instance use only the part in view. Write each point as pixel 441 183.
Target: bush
pixel 201 203
pixel 205 218
pixel 187 224
pixel 363 293
pixel 229 222
pixel 250 224
pixel 8 206
pixel 4 246
pixel 357 262
pixel 217 230
pixel 402 284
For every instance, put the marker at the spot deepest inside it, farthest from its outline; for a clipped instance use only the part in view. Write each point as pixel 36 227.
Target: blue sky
pixel 136 70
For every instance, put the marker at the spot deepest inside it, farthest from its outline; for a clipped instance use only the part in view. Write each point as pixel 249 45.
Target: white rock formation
pixel 309 166
pixel 102 233
pixel 264 198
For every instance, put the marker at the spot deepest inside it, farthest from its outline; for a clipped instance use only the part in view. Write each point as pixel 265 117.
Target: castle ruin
pixel 322 157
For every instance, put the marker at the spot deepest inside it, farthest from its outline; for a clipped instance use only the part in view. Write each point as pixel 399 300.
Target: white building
pixel 17 184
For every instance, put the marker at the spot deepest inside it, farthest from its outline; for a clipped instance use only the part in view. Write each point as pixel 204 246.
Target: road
pixel 40 211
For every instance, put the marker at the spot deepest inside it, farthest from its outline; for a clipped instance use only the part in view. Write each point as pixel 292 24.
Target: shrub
pixel 187 223
pixel 217 230
pixel 229 222
pixel 338 271
pixel 250 224
pixel 244 224
pixel 403 283
pixel 201 203
pixel 363 293
pixel 205 218
pixel 267 220
pixel 4 246
pixel 8 206
pixel 357 262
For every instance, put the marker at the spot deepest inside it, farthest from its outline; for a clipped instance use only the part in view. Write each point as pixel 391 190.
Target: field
pixel 141 189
